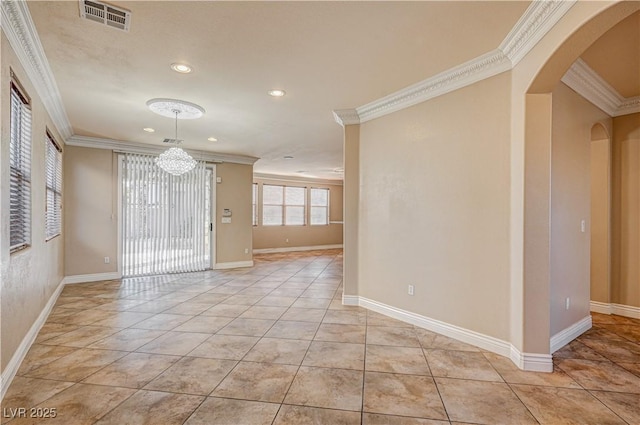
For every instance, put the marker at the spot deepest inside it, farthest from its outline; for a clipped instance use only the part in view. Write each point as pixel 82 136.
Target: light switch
pixel 583 226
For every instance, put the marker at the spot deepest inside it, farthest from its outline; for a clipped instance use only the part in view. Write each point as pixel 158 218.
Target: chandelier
pixel 174 160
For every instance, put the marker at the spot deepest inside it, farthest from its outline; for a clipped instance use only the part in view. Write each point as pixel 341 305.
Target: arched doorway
pixel 545 311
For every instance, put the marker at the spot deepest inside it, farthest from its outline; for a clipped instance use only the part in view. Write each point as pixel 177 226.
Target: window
pixel 255 204
pixel 319 207
pixel 53 175
pixel 283 205
pixel 19 171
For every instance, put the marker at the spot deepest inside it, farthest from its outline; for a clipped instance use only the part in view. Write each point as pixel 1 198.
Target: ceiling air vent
pixel 174 141
pixel 103 13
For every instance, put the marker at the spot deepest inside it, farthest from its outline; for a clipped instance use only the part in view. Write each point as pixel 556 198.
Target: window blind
pixel 53 175
pixel 319 206
pixel 19 171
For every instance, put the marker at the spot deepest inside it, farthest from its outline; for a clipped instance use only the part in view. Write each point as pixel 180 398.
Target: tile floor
pixel 274 345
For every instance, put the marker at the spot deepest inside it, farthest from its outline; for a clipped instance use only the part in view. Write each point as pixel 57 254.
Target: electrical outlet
pixel 286 240
pixel 583 226
pixel 107 260
pixel 567 303
pixel 411 290
pixel 246 250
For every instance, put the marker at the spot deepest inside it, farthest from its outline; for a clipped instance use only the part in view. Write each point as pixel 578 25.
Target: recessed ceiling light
pixel 276 93
pixel 181 68
pixel 148 129
pixel 288 157
pixel 212 139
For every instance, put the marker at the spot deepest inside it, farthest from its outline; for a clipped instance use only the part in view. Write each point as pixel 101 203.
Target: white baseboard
pixel 618 309
pixel 567 335
pixel 95 277
pixel 14 364
pixel 296 248
pixel 598 307
pixel 233 265
pixel 525 361
pixel 531 362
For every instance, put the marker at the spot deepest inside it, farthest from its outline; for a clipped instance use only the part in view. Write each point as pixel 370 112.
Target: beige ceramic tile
pixel 231 347
pixel 278 350
pixel 80 404
pixel 341 333
pixel 377 419
pixel 226 310
pixel 605 376
pixel 328 388
pixel 224 411
pixel 627 406
pixel 383 358
pixel 304 314
pixel 399 337
pixel 302 415
pixel 402 395
pixel 153 407
pixel 29 392
pixel 577 350
pixel 134 370
pixel 461 364
pixel 40 355
pixel 433 341
pixel 192 375
pixel 276 301
pixel 490 403
pixel 377 319
pixel 189 308
pixel 81 337
pixel 553 406
pixel 122 319
pixel 247 327
pixel 341 355
pixel 293 330
pixel 345 317
pixel 311 303
pixel 263 312
pixel 204 324
pixel 162 321
pixel 50 330
pixel 631 367
pixel 512 374
pixel 127 339
pixel 174 343
pixel 614 350
pixel 78 365
pixel 257 381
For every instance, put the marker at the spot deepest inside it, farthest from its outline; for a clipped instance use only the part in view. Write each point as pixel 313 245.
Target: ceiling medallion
pixel 174 160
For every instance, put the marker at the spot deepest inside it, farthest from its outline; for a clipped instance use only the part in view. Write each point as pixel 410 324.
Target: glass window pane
pixel 294 195
pixel 271 215
pixel 319 197
pixel 272 195
pixel 295 216
pixel 319 216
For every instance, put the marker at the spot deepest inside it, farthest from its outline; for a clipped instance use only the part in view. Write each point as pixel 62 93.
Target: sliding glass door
pixel 166 220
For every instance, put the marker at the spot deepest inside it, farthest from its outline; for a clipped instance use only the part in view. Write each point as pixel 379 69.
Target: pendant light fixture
pixel 174 160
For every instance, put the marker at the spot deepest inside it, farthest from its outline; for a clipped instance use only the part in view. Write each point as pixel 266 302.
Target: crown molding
pixel 297 179
pixel 146 149
pixel 587 83
pixel 346 116
pixel 22 35
pixel 480 68
pixel 535 22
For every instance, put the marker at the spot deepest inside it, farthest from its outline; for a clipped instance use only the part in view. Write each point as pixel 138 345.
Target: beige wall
pixel 91 216
pixel 572 120
pixel 234 240
pixel 300 236
pixel 91 211
pixel 625 283
pixel 28 277
pixel 600 216
pixel 434 208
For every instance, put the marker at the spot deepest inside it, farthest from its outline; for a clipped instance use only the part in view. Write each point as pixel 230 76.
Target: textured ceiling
pixel 616 56
pixel 326 55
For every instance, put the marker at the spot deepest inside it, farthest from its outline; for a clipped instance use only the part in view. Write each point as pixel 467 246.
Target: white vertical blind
pixel 53 176
pixel 165 218
pixel 20 171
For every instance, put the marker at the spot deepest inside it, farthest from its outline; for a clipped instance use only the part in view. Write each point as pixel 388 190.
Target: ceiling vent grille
pixel 174 141
pixel 103 13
